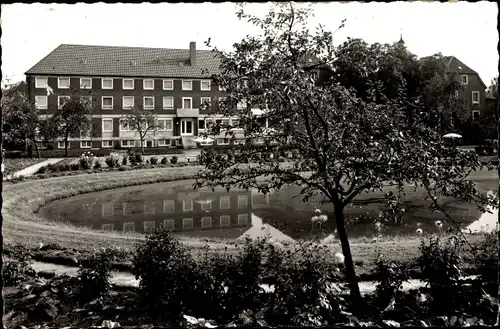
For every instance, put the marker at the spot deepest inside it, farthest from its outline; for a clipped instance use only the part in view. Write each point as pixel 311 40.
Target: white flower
pixel 322 218
pixel 314 219
pixel 374 239
pixel 317 211
pixel 420 231
pixel 339 257
pixel 438 223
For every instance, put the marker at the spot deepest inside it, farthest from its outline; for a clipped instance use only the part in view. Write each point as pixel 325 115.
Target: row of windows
pixel 109 144
pixel 148 102
pixel 160 143
pixel 169 224
pixel 127 84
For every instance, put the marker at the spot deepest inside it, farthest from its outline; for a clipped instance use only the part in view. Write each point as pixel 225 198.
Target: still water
pixel 175 206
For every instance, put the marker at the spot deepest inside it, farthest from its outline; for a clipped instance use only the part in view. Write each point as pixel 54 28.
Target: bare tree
pixel 73 116
pixel 141 121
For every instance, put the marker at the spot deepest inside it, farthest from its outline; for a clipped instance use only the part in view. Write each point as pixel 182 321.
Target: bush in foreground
pixel 94 280
pixel 225 288
pixel 17 269
pixel 485 261
pixel 441 266
pixel 167 275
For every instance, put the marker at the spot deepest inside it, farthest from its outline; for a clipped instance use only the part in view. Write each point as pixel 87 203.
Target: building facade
pixel 473 92
pixel 171 83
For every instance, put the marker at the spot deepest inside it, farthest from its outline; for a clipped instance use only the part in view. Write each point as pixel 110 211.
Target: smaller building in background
pixel 473 92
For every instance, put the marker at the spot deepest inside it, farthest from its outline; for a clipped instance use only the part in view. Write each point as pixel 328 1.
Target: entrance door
pixel 186 127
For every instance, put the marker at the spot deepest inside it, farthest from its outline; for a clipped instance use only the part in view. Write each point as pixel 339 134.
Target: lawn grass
pixel 13 165
pixel 23 225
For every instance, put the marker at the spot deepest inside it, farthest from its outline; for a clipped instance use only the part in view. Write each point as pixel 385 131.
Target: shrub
pixel 153 160
pixel 301 281
pixel 76 166
pixel 173 159
pixel 94 280
pixel 390 276
pixel 124 161
pixel 485 261
pixel 122 168
pixel 224 287
pixel 166 273
pixel 164 160
pixel 52 167
pixel 64 167
pixel 138 158
pixel 87 161
pixel 17 269
pixel 111 161
pixel 97 164
pixel 440 264
pixel 42 170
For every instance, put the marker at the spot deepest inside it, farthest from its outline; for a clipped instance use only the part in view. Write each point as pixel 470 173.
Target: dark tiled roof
pixel 455 65
pixel 119 61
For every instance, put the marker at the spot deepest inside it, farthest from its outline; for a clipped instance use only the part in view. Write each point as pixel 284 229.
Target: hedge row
pixel 99 152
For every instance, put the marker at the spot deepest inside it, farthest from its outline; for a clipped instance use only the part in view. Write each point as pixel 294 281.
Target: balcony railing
pixel 188 113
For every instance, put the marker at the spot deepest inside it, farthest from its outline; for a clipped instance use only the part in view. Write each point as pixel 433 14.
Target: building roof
pixel 457 66
pixel 88 60
pixel 454 65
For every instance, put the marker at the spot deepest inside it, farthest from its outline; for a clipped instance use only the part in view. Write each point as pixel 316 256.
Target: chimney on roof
pixel 192 53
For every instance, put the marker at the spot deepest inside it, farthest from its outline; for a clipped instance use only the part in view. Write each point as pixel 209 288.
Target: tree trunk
pixel 66 144
pixel 348 262
pixel 36 148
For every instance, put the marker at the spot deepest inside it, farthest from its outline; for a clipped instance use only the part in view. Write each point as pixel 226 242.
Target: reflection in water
pixel 487 223
pixel 176 207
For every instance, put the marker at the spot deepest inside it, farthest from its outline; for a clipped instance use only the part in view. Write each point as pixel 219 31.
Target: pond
pixel 220 214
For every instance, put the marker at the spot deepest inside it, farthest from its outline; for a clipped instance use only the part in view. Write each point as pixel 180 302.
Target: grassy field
pixel 13 165
pixel 23 225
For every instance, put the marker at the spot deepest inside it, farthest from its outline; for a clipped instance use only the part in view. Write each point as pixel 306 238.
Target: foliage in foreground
pixel 265 285
pixel 221 287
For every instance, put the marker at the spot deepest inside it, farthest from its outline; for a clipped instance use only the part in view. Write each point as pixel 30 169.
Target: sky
pixel 465 30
